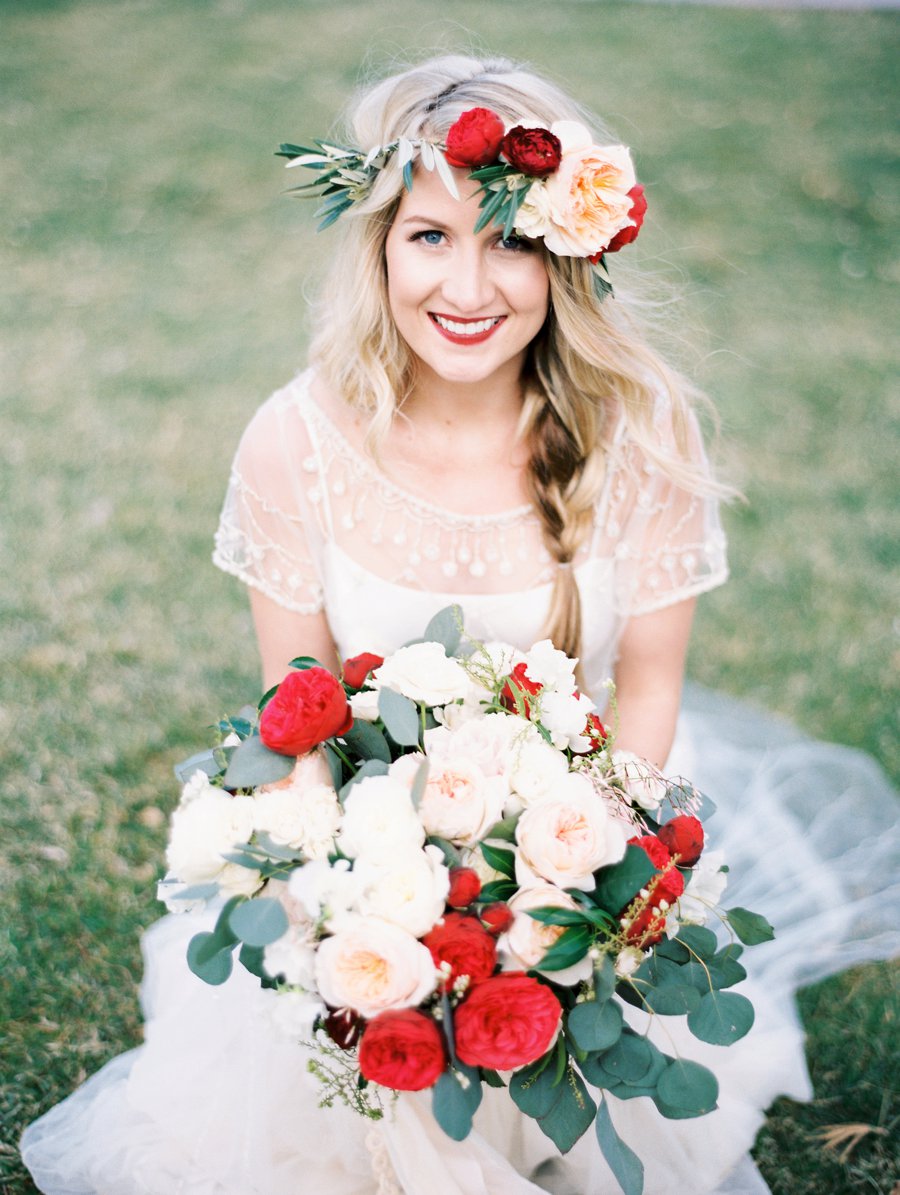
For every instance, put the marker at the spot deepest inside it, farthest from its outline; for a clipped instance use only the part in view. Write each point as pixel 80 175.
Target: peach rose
pixel 565 840
pixel 371 966
pixel 528 940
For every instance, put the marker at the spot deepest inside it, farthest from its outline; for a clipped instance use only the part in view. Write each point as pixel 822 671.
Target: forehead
pixel 429 199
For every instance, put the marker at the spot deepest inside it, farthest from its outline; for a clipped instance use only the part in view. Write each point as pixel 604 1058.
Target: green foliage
pixel 623 1161
pixel 446 628
pixel 455 1100
pixel 400 717
pixel 252 763
pixel 751 928
pixel 259 921
pixel 620 883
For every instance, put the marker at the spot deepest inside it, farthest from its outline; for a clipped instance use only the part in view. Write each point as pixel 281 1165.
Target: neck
pixel 492 404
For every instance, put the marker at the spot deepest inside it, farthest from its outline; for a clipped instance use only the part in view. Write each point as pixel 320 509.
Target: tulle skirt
pixel 218 1102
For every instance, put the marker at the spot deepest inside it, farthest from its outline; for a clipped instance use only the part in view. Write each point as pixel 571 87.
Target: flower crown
pixel 551 184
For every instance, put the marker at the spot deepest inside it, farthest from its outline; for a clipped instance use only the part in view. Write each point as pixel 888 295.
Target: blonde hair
pixel 589 361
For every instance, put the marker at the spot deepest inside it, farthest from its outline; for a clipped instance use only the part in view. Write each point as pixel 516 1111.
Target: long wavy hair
pixel 589 362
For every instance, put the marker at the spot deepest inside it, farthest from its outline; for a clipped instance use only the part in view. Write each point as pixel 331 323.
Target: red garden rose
pixel 402 1049
pixel 308 707
pixel 683 836
pixel 357 668
pixel 506 1022
pixel 497 917
pixel 474 140
pixel 596 732
pixel 518 686
pixel 535 152
pixel 637 213
pixel 464 943
pixel 668 886
pixel 464 887
pixel 650 845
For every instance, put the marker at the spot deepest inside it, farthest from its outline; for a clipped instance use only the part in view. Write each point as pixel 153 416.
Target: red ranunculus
pixel 650 845
pixel 637 213
pixel 402 1049
pixel 683 836
pixel 474 140
pixel 357 668
pixel 506 1022
pixel 464 887
pixel 647 928
pixel 514 695
pixel 668 886
pixel 308 707
pixel 464 943
pixel 535 152
pixel 497 917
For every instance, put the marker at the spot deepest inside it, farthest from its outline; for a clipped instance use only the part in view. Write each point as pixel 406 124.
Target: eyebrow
pixel 420 219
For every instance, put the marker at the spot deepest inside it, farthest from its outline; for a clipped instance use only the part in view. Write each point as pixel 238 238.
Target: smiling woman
pixel 481 423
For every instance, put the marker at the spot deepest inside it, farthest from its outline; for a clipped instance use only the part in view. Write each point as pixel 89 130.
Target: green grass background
pixel 155 288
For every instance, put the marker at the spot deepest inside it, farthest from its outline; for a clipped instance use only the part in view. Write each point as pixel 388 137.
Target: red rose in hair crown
pixel 637 213
pixel 474 140
pixel 308 707
pixel 535 152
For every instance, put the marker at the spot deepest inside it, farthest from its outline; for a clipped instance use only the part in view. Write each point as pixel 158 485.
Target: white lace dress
pixel 217 1102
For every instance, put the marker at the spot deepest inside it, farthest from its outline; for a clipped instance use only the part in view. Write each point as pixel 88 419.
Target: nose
pixel 468 284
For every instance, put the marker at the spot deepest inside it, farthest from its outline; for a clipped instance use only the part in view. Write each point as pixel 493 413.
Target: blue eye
pixel 430 236
pixel 514 243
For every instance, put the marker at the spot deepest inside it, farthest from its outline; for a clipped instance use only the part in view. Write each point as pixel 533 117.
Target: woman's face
pixel 467 304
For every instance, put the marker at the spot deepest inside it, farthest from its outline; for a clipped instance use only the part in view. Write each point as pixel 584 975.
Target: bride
pixel 482 423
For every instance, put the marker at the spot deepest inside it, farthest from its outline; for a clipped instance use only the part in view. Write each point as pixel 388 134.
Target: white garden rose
pixel 460 803
pixel 327 893
pixel 236 880
pixel 293 956
pixel 306 819
pixel 641 781
pixel 371 966
pixel 197 785
pixel 564 840
pixel 210 825
pixel 423 672
pixel 364 705
pixel 565 714
pixel 527 940
pixel 379 818
pixel 408 890
pixel 550 667
pixel 537 771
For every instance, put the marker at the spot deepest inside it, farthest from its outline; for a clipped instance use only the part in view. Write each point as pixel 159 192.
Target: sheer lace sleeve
pixel 270 533
pixel 667 542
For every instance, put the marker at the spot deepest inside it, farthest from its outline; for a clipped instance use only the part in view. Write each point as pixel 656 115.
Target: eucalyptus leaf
pixel 335 766
pixel 533 1090
pixel 673 1000
pixel 687 1086
pixel 372 767
pixel 400 717
pixel 618 884
pixel 445 628
pixel 604 979
pixel 203 761
pixel 630 1059
pixel 700 941
pixel 571 1115
pixel 452 1106
pixel 751 928
pixel 253 764
pixel 626 1166
pixel 259 921
pixel 417 792
pixel 367 741
pixel 595 1026
pixel 505 829
pixel 208 960
pixel 721 1018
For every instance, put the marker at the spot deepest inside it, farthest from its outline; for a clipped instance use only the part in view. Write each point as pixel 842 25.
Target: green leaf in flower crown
pixel 700 941
pixel 203 761
pixel 454 1101
pixel 620 883
pixel 372 767
pixel 626 1166
pixel 568 949
pixel 571 1114
pixel 400 717
pixel 721 1018
pixel 686 1089
pixel 595 1026
pixel 367 741
pixel 259 921
pixel 500 859
pixel 208 959
pixel 751 928
pixel 445 628
pixel 252 764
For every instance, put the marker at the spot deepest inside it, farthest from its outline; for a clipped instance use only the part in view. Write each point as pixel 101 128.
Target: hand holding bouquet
pixel 451 878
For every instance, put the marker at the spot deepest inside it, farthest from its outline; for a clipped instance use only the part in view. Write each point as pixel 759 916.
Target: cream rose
pixel 204 829
pixel 372 966
pixel 565 840
pixel 538 772
pixel 324 893
pixel 408 890
pixel 306 819
pixel 587 197
pixel 379 817
pixel 527 940
pixel 423 672
pixel 460 803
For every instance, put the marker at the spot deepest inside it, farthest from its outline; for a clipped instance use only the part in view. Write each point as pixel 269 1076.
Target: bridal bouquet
pixel 452 878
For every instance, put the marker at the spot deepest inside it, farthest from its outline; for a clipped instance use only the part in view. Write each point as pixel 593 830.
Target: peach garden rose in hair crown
pixel 551 184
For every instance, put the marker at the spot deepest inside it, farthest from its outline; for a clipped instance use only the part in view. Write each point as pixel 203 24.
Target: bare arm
pixel 283 634
pixel 649 674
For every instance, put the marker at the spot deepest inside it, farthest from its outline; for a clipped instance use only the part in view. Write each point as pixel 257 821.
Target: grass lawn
pixel 155 288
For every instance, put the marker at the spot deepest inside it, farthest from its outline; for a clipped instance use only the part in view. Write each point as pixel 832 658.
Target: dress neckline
pixel 504 518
